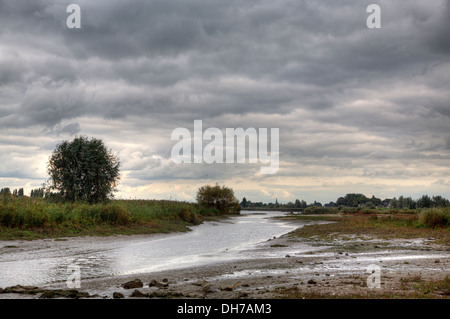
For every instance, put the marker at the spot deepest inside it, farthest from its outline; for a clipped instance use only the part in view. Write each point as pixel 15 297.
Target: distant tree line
pixel 39 192
pixel 297 204
pixel 357 200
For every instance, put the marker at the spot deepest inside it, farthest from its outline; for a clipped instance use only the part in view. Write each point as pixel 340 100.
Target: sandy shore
pixel 337 268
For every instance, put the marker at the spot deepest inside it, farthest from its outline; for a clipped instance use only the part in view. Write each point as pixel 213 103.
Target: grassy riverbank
pixel 388 224
pixel 34 218
pixel 353 231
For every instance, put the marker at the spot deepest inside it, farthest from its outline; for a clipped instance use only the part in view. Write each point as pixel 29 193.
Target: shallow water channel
pixel 47 261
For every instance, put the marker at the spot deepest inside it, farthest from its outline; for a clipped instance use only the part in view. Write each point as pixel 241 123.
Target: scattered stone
pixel 165 280
pixel 118 295
pixel 437 261
pixel 200 283
pixel 158 284
pixel 138 294
pixel 226 288
pixel 45 293
pixel 287 256
pixel 18 289
pixel 243 294
pixel 157 294
pixel 245 285
pixel 59 293
pixel 137 283
pixel 206 288
pixel 312 282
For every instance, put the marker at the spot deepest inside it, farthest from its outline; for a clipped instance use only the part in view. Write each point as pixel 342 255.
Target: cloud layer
pixel 359 110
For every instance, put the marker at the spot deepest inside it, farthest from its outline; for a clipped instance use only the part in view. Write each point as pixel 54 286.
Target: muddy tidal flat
pixel 291 267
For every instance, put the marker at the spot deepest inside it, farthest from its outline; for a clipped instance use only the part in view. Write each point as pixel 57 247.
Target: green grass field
pixel 385 223
pixel 33 218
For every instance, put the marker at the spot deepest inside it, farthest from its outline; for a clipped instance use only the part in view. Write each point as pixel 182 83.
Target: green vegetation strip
pixel 410 288
pixel 34 218
pixel 427 223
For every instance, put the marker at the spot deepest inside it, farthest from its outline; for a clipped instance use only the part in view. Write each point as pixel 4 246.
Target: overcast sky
pixel 358 109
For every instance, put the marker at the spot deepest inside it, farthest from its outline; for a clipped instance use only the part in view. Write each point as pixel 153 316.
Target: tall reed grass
pixel 435 217
pixel 25 213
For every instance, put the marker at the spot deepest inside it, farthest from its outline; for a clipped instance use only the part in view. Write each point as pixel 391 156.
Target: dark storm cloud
pixel 154 44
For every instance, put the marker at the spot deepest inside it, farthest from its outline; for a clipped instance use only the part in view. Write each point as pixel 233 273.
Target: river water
pixel 47 261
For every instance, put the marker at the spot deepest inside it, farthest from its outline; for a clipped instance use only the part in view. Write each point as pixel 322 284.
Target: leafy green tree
pixel 341 201
pixel 393 203
pixel 424 202
pixel 439 201
pixel 244 202
pixel 39 192
pixel 5 191
pixel 83 170
pixel 221 198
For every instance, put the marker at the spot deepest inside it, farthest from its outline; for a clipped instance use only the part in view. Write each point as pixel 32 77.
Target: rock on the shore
pixel 138 294
pixel 312 282
pixel 118 295
pixel 158 284
pixel 200 283
pixel 137 283
pixel 18 289
pixel 45 293
pixel 60 293
pixel 226 288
